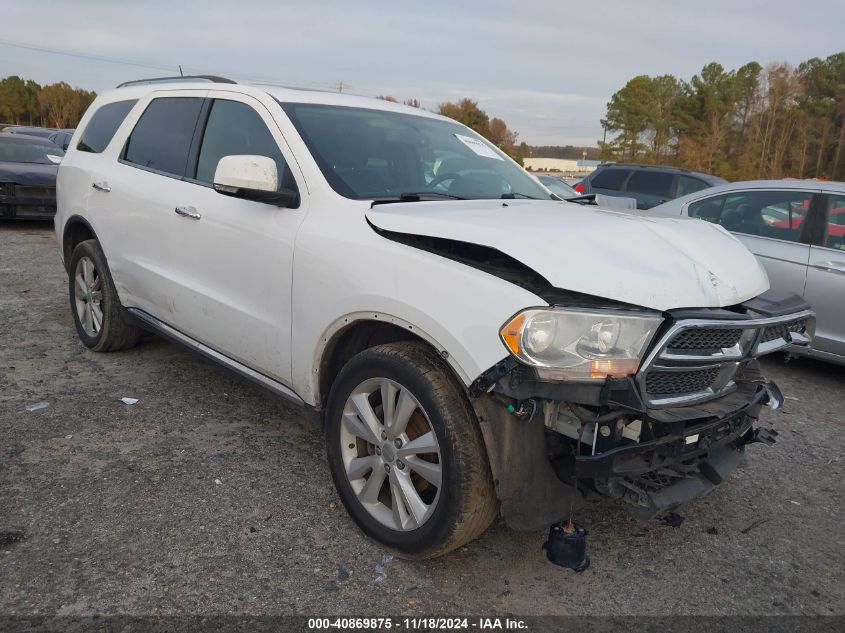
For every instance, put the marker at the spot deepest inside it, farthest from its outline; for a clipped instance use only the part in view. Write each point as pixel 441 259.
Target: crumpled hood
pixel 659 263
pixel 29 173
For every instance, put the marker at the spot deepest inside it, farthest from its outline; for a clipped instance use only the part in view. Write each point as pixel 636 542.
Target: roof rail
pixel 155 80
pixel 649 165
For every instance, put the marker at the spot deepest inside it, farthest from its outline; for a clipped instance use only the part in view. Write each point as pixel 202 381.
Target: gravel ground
pixel 210 496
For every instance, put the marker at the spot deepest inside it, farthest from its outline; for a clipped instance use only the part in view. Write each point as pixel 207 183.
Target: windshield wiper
pixel 513 195
pixel 416 196
pixel 587 198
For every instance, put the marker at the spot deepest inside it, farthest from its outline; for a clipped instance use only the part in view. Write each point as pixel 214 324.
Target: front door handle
pixel 101 186
pixel 188 212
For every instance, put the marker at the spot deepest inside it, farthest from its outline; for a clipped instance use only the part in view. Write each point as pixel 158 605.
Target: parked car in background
pixel 557 186
pixel 28 167
pixel 61 138
pixel 796 228
pixel 41 132
pixel 650 185
pixel 471 345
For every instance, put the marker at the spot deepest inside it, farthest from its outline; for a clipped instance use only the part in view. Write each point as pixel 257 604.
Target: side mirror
pixel 252 178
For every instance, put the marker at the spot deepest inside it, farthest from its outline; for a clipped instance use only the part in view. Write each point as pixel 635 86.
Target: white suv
pixel 472 344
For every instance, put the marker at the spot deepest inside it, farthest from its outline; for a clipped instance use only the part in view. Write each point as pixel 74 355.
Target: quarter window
pixel 708 209
pixel 774 214
pixel 651 183
pixel 162 137
pixel 688 185
pixel 235 128
pixel 102 126
pixel 610 179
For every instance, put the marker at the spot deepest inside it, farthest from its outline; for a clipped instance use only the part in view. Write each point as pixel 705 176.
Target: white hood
pixel 659 263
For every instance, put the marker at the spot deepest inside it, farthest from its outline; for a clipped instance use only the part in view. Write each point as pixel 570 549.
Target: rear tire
pixel 386 467
pixel 96 309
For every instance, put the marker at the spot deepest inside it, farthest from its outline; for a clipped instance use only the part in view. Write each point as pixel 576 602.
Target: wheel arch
pixel 77 229
pixel 357 332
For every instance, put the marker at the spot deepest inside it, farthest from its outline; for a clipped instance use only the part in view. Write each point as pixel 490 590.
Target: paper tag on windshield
pixel 482 149
pixel 54 158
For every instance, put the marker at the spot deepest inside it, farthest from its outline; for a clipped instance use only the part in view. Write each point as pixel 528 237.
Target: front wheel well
pixel 353 339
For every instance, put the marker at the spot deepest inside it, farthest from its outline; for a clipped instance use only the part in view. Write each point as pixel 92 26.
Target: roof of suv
pixel 141 88
pixel 668 168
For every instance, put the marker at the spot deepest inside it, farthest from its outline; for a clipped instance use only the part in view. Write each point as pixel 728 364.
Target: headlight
pixel 579 344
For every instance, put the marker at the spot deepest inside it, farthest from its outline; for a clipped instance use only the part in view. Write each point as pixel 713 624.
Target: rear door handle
pixel 188 212
pixel 831 267
pixel 101 186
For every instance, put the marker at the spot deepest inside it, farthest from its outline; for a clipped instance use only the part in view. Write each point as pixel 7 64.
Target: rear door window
pixel 774 214
pixel 610 179
pixel 102 126
pixel 161 140
pixel 651 183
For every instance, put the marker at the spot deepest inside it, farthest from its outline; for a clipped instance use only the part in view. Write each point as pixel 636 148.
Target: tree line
pixel 753 122
pixel 58 105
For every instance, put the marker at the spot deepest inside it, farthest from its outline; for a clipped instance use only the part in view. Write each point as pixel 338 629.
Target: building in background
pixel 568 167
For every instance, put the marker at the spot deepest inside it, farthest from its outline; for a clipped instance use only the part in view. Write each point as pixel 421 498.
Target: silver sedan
pixel 796 228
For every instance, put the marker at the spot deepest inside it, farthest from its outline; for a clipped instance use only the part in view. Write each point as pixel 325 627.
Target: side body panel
pixel 825 289
pixel 785 262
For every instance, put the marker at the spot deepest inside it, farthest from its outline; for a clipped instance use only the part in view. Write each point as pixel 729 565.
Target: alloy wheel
pixel 390 454
pixel 88 296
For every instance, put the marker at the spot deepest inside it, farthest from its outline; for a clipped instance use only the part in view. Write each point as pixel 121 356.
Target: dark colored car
pixel 28 167
pixel 649 185
pixel 41 132
pixel 61 138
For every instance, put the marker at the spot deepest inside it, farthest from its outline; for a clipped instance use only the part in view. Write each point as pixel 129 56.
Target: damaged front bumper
pixel 656 466
pixel 664 473
pixel 624 438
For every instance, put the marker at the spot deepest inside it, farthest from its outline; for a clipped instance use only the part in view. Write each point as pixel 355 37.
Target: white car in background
pixel 796 228
pixel 471 345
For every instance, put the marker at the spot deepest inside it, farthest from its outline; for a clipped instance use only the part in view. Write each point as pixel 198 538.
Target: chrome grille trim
pixel 758 337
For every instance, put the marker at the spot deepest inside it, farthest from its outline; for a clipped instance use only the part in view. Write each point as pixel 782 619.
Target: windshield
pixel 558 187
pixel 14 151
pixel 372 154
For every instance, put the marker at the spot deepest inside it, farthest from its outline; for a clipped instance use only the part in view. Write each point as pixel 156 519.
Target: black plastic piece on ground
pixel 764 436
pixel 567 549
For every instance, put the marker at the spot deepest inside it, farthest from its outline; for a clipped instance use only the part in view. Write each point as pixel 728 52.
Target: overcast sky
pixel 546 68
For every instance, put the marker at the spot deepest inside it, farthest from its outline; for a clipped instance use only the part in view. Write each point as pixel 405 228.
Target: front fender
pixel 338 278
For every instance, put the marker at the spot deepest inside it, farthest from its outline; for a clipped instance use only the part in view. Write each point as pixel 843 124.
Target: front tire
pixel 406 453
pixel 96 309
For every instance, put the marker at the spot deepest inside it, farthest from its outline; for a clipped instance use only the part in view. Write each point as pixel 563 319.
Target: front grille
pixel 669 383
pixel 704 341
pixel 696 359
pixel 782 330
pixel 27 201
